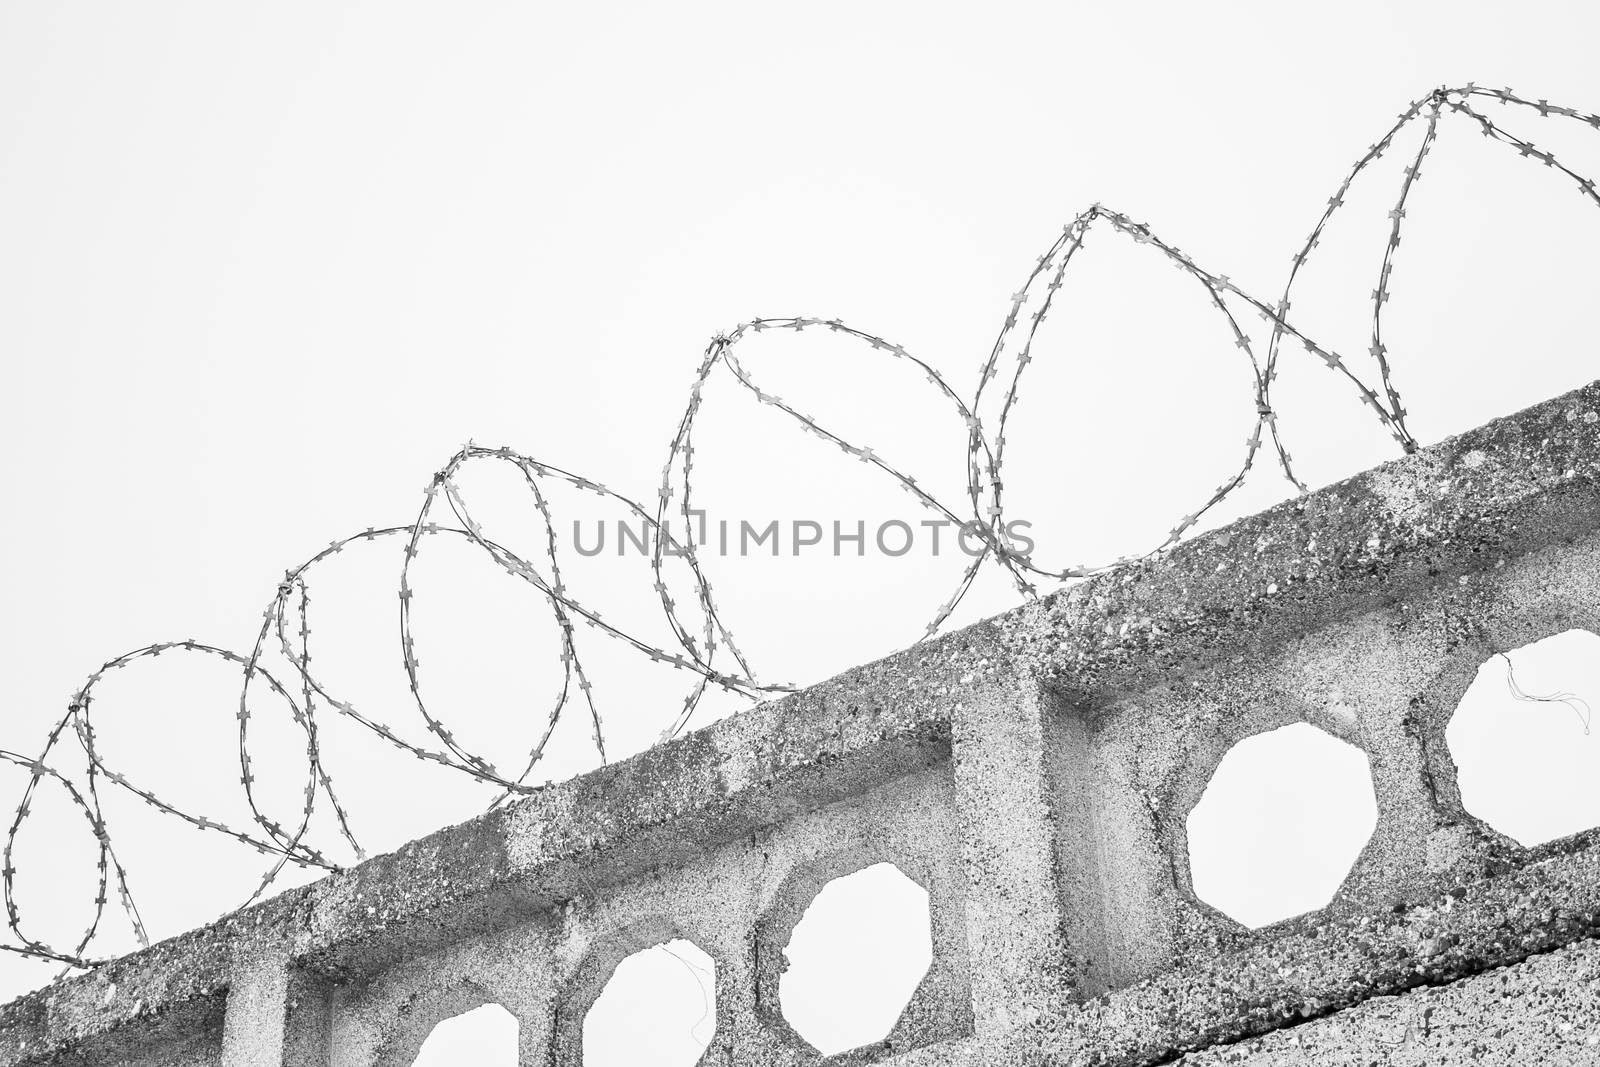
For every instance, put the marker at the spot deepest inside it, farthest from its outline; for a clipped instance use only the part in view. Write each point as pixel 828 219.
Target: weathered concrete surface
pixel 1541 1011
pixel 1033 773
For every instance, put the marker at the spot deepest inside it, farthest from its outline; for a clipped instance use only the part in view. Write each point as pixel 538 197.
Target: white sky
pixel 266 268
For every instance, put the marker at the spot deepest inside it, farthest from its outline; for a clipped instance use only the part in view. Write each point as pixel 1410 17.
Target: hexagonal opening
pixel 659 1009
pixel 1526 759
pixel 855 958
pixel 486 1035
pixel 1282 820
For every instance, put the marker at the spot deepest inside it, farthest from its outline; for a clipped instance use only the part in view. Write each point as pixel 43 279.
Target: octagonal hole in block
pixel 484 1036
pixel 1526 760
pixel 855 958
pixel 1283 818
pixel 659 1009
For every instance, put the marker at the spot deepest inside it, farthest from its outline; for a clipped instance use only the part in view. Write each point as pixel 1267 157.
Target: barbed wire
pixel 1575 703
pixel 285 628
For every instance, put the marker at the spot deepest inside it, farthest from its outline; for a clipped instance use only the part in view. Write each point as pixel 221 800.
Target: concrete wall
pixel 1033 774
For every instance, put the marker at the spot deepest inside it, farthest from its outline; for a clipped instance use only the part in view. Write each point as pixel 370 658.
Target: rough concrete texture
pixel 1541 1011
pixel 1033 773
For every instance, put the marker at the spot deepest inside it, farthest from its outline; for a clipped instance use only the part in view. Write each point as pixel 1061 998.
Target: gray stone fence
pixel 1033 774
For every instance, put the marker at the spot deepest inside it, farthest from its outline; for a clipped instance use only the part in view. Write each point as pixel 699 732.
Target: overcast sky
pixel 265 268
